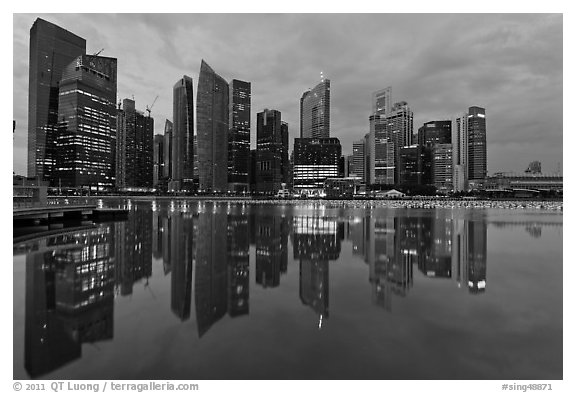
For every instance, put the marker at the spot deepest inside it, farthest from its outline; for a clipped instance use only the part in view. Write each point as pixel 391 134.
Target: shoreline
pixel 360 203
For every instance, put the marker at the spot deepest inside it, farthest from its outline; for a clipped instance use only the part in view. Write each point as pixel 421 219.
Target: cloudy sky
pixel 440 64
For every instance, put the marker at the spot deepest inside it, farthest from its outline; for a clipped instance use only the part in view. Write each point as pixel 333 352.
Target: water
pixel 198 290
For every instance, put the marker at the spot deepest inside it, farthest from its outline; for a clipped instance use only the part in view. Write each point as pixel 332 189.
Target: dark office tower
pixel 359 160
pixel 477 168
pixel 285 163
pixel 51 49
pixel 158 160
pixel 239 135
pixel 252 169
pixel 134 147
pixel 315 160
pixel 87 123
pixel 212 130
pixel 270 151
pixel 415 164
pixel 315 111
pixel 183 134
pixel 168 150
pixel 434 132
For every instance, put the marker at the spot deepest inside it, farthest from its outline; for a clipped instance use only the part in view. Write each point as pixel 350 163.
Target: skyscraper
pixel 269 151
pixel 315 160
pixel 52 48
pixel 212 130
pixel 433 132
pixel 442 174
pixel 477 168
pixel 167 150
pixel 134 147
pixel 460 153
pixel 391 128
pixel 87 123
pixel 183 135
pixel 359 160
pixel 315 111
pixel 158 160
pixel 239 135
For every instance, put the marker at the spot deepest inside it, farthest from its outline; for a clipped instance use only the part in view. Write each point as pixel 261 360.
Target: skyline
pixel 509 64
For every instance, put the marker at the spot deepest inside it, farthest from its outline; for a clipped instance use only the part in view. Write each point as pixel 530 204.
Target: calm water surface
pixel 202 290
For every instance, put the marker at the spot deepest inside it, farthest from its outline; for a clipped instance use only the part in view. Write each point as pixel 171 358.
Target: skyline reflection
pixel 208 249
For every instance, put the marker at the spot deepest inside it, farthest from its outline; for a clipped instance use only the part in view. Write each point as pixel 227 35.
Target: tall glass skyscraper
pixel 183 134
pixel 87 123
pixel 239 135
pixel 315 111
pixel 477 168
pixel 212 130
pixel 134 147
pixel 51 49
pixel 270 151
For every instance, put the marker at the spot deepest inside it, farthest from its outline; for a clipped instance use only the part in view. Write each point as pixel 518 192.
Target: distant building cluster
pixel 79 137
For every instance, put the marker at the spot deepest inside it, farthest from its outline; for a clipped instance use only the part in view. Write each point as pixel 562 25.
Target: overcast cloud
pixel 439 63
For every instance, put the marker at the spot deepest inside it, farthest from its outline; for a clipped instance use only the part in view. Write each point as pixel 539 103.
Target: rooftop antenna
pixel 322 76
pixel 97 53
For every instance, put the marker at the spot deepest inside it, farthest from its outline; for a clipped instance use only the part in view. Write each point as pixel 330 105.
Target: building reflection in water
pixel 71 279
pixel 316 241
pixel 440 245
pixel 69 297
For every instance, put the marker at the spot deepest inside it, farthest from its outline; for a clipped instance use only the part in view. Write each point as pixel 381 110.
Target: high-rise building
pixel 415 165
pixel 270 151
pixel 382 101
pixel 158 160
pixel 460 153
pixel 315 160
pixel 442 174
pixel 284 157
pixel 359 159
pixel 134 147
pixel 167 150
pixel 183 134
pixel 433 132
pixel 52 49
pixel 87 111
pixel 315 111
pixel 477 168
pixel 239 135
pixel 390 129
pixel 212 130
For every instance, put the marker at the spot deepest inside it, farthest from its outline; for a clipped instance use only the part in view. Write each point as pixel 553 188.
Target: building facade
pixel 167 173
pixel 134 147
pixel 52 49
pixel 212 130
pixel 315 111
pixel 415 165
pixel 183 134
pixel 315 160
pixel 442 176
pixel 389 131
pixel 158 160
pixel 433 132
pixel 270 151
pixel 86 140
pixel 239 135
pixel 359 160
pixel 477 165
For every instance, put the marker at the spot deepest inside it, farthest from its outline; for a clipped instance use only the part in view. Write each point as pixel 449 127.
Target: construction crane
pixel 97 53
pixel 149 108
